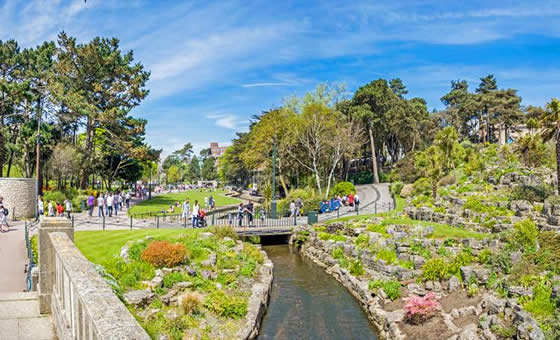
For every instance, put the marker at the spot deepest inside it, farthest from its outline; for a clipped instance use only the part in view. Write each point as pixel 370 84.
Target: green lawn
pixel 99 246
pixel 162 202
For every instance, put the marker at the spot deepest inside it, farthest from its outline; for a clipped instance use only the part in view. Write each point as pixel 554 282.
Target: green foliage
pixel 435 269
pixel 223 231
pixel 377 228
pixel 344 188
pixel 447 180
pixel 34 241
pixel 362 177
pixel 129 275
pixel 537 193
pixel 390 287
pixel 172 278
pixel 338 253
pixel 524 235
pixel 422 186
pixel 326 236
pixel 54 196
pixel 417 248
pixel 501 262
pixel 227 306
pixel 387 255
pixel 462 259
pixel 423 200
pixel 503 331
pixel 355 268
pixel 301 238
pixel 484 256
pixel 396 187
pixel 472 290
pixel 362 241
pixel 136 249
pixel 541 306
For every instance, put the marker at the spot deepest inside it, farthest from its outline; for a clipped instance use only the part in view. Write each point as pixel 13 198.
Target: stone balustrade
pixel 82 304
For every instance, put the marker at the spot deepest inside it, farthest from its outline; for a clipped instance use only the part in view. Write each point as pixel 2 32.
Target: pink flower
pixel 419 309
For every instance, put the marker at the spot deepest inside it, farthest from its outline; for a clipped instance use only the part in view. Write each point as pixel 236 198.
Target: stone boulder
pixel 493 304
pixel 139 298
pixel 521 207
pixel 469 333
pixel 407 190
pixel 453 284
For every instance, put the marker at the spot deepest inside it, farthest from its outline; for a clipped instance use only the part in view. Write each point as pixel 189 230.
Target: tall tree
pixel 98 83
pixel 550 121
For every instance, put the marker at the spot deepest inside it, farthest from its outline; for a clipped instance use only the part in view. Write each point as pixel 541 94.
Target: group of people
pixel 336 202
pixel 54 208
pixel 108 203
pixel 198 214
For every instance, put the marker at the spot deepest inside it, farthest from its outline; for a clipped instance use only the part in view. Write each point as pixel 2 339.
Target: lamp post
pixel 150 184
pixel 273 203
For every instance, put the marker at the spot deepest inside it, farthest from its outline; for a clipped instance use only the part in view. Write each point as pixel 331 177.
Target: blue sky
pixel 215 64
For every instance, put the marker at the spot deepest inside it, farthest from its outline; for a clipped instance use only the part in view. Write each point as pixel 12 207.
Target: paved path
pixel 20 318
pixel 13 257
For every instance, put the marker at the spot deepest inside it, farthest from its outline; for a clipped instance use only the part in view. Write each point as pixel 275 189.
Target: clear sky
pixel 215 64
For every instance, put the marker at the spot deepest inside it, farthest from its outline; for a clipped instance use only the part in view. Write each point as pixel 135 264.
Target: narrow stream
pixel 307 303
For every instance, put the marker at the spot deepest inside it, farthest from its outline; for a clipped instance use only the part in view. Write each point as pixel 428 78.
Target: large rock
pixel 521 207
pixel 480 274
pixel 211 261
pixel 520 291
pixel 453 284
pixel 469 333
pixel 493 304
pixel 407 190
pixel 138 298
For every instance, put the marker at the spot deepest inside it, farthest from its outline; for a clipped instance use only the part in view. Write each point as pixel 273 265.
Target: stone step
pixel 19 306
pixel 40 328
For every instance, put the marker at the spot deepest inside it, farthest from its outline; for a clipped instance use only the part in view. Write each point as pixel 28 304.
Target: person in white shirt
pixel 68 207
pixel 195 210
pixel 110 204
pixel 100 211
pixel 127 197
pixel 50 209
pixel 292 209
pixel 186 209
pixel 40 207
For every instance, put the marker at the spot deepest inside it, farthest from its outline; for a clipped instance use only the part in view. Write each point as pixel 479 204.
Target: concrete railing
pixel 82 304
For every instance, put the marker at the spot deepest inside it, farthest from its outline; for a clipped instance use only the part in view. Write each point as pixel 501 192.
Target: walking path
pixel 19 311
pixel 13 258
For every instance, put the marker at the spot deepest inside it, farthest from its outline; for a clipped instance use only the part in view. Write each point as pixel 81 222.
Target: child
pixel 59 209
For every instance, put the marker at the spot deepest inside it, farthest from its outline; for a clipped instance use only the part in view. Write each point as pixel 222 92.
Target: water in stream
pixel 307 303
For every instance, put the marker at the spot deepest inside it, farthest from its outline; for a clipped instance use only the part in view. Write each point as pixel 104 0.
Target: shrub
pixel 462 259
pixel 447 180
pixel 190 302
pixel 419 309
pixel 135 251
pixel 377 228
pixel 473 290
pixel 484 256
pixel 344 188
pixel 396 187
pixel 435 269
pixel 501 262
pixel 55 196
pixel 35 248
pixel 422 186
pixel 164 254
pixel 172 278
pixel 363 177
pixel 541 305
pixel 326 236
pixel 337 253
pixel 356 268
pixel 227 306
pixel 554 199
pixel 362 241
pixel 503 331
pixel 129 274
pixel 391 287
pixel 537 193
pixel 387 255
pixel 525 235
pixel 223 231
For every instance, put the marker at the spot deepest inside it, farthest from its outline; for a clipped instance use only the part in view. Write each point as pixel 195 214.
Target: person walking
pixel 3 216
pixel 116 203
pixel 186 209
pixel 100 210
pixel 50 209
pixel 90 200
pixel 110 204
pixel 299 206
pixel 68 207
pixel 249 211
pixel 292 209
pixel 59 209
pixel 195 211
pixel 357 202
pixel 240 214
pixel 211 202
pixel 127 200
pixel 40 207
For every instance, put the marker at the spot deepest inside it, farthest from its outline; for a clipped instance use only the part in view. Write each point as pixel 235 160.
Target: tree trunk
pixel 89 143
pixel 10 164
pixel 558 164
pixel 434 188
pixel 373 157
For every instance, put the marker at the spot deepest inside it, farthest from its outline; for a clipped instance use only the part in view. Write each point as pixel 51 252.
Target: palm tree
pixel 550 122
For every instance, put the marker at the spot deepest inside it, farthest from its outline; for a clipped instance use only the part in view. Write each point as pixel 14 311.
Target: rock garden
pixel 474 253
pixel 200 284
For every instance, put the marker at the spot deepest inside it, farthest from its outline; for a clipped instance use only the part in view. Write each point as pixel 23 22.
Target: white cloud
pixel 266 84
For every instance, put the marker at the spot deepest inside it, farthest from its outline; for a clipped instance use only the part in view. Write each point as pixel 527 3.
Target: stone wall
pixel 19 193
pixel 82 304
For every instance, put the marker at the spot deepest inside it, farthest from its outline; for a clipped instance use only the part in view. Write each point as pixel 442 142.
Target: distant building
pixel 217 150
